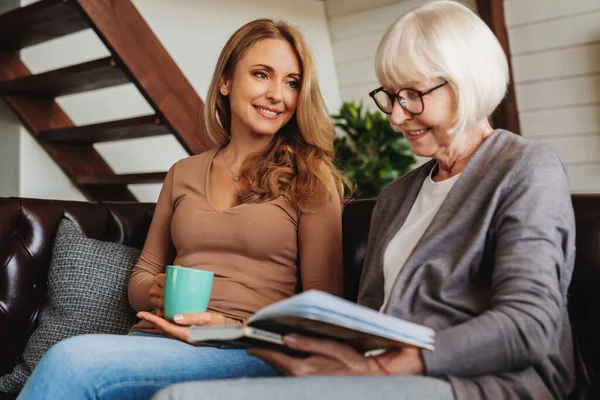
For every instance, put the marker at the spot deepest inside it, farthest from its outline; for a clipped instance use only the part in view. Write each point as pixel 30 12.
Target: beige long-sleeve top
pixel 256 251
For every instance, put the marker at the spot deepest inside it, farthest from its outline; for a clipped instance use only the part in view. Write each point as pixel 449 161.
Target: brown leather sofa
pixel 28 228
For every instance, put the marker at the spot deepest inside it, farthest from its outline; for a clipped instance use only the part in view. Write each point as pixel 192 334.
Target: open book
pixel 316 313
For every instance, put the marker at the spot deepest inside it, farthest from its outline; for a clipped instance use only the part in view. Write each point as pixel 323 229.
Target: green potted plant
pixel 371 153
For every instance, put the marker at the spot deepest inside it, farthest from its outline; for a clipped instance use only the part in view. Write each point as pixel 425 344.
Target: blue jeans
pixel 134 366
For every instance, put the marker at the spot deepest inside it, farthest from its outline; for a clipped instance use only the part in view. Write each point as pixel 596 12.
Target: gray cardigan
pixel 490 274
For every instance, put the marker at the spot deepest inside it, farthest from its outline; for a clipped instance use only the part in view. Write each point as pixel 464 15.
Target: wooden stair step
pixel 131 128
pixel 122 179
pixel 91 75
pixel 39 22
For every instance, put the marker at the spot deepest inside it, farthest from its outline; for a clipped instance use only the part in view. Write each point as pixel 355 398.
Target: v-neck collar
pixel 207 187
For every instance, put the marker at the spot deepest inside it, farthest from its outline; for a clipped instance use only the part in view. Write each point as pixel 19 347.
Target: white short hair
pixel 445 39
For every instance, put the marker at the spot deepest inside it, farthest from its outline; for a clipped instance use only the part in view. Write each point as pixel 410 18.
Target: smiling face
pixel 264 89
pixel 428 133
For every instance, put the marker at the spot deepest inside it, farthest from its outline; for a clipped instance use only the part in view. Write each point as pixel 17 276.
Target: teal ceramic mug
pixel 187 290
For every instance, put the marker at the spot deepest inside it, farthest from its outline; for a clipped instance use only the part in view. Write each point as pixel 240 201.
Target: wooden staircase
pixel 137 56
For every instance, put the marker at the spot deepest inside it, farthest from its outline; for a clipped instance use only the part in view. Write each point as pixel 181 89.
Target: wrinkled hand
pixel 157 293
pixel 179 329
pixel 328 358
pixel 334 358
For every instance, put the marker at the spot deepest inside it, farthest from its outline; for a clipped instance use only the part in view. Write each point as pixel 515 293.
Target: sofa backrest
pixel 584 292
pixel 27 231
pixel 28 228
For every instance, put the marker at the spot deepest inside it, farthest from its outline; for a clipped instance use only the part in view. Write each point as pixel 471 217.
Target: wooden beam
pixel 122 179
pixel 45 114
pixel 38 22
pixel 130 128
pixel 91 75
pixel 506 115
pixel 139 52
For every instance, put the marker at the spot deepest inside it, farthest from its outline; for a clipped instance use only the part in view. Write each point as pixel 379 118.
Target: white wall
pixel 9 152
pixel 193 32
pixel 555 46
pixel 9 137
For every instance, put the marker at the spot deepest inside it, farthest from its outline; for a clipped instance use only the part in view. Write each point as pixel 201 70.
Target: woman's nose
pixel 274 92
pixel 399 114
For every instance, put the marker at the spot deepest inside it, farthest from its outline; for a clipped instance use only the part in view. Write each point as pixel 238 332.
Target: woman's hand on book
pixel 180 328
pixel 331 357
pixel 328 357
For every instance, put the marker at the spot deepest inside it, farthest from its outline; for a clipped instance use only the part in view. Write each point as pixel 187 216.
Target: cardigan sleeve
pixel 533 234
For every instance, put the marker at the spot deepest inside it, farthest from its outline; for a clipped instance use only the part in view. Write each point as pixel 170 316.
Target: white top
pixel 430 199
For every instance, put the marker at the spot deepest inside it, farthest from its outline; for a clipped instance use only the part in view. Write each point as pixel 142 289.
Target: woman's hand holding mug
pixel 181 299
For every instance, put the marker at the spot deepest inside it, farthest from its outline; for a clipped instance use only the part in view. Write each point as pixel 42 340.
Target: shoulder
pixel 520 176
pixel 521 157
pixel 192 165
pixel 326 191
pixel 195 161
pixel 189 167
pixel 325 198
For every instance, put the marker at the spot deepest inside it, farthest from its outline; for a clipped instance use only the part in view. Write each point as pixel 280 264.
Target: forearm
pixel 496 341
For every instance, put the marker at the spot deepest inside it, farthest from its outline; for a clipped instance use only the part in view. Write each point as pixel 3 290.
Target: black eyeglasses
pixel 409 99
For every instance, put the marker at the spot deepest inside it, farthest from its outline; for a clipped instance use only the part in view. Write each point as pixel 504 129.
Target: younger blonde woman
pixel 262 210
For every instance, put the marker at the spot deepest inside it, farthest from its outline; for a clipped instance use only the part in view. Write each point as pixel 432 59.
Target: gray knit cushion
pixel 87 293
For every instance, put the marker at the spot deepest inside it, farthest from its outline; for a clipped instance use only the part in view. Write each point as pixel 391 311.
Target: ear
pixel 224 85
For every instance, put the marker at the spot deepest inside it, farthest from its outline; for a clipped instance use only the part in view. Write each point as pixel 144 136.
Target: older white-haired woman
pixel 478 243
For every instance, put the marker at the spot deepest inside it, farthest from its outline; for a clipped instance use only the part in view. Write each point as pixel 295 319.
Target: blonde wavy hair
pixel 299 161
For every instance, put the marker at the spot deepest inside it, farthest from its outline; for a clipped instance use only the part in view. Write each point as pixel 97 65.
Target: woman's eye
pixel 294 84
pixel 260 75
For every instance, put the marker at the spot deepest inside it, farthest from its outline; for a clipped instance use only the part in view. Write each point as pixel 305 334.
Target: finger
pixel 176 331
pixel 279 361
pixel 167 329
pixel 159 280
pixel 326 347
pixel 202 319
pixel 156 291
